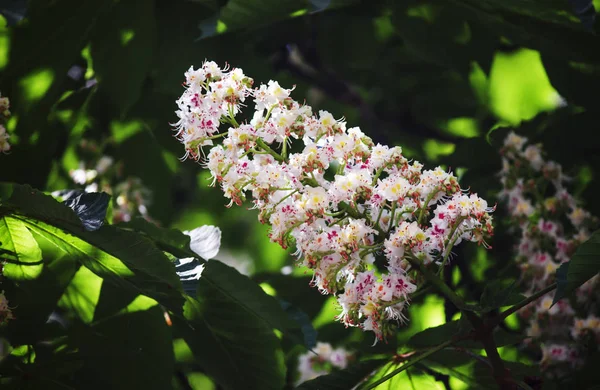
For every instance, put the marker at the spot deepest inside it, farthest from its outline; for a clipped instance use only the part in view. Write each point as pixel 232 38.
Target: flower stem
pixel 502 316
pixel 437 282
pixel 425 206
pixel 268 149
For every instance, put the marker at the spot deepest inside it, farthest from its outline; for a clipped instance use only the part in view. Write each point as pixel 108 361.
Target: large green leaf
pixel 169 240
pixel 25 260
pixel 34 300
pixel 137 252
pixel 120 257
pixel 457 365
pixel 81 296
pixel 129 351
pixel 245 293
pixel 126 33
pixel 584 265
pixel 410 378
pixel 344 379
pixel 28 201
pixel 235 347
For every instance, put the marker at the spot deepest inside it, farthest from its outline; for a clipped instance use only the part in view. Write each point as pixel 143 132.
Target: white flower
pixel 205 241
pixel 4 145
pixel 341 199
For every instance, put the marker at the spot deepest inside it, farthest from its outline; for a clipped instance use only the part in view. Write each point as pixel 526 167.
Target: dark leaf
pixel 584 265
pixel 232 345
pixel 244 293
pixel 432 337
pixel 126 33
pixel 36 204
pixel 13 11
pixel 169 240
pixel 39 60
pixel 344 379
pixel 296 290
pixel 141 338
pixel 584 9
pixel 308 332
pixel 120 257
pixel 90 208
pixel 499 293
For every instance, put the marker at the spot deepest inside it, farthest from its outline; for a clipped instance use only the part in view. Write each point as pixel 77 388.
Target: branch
pixel 437 283
pixel 483 333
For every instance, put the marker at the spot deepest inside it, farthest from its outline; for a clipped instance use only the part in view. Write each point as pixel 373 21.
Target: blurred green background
pixel 443 79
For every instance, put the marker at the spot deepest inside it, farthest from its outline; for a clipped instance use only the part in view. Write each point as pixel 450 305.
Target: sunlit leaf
pixel 24 260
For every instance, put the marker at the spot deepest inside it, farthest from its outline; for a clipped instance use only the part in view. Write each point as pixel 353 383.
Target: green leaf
pixel 457 365
pixel 238 14
pixel 81 296
pixel 245 293
pixel 126 33
pixel 17 239
pixel 233 346
pixel 411 378
pixel 241 13
pixel 553 30
pixel 36 204
pixel 123 258
pixel 39 60
pixel 129 351
pixel 499 293
pixel 473 369
pixel 344 379
pixel 169 240
pixel 432 337
pixel 36 299
pixel 584 265
pixel 296 290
